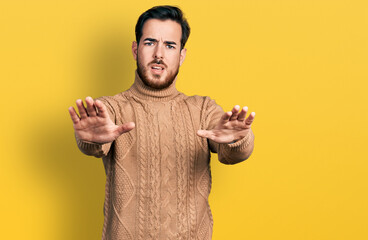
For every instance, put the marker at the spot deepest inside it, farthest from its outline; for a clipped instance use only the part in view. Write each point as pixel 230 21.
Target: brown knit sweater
pixel 158 175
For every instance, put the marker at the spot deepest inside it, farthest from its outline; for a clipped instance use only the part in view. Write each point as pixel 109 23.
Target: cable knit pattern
pixel 158 175
pixel 107 200
pixel 204 183
pixel 192 159
pixel 181 150
pixel 169 187
pixel 154 174
pixel 142 181
pixel 119 231
pixel 204 227
pixel 204 188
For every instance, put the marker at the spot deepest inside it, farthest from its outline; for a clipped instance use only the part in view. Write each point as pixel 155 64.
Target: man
pixel 155 141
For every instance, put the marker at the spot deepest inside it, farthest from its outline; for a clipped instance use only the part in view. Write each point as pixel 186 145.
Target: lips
pixel 157 68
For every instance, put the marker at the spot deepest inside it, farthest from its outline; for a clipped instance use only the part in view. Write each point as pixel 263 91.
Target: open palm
pixel 94 123
pixel 232 126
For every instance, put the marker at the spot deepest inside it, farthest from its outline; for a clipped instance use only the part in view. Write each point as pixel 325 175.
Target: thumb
pixel 126 127
pixel 204 133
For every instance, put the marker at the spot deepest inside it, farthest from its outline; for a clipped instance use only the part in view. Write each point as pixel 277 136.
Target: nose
pixel 159 53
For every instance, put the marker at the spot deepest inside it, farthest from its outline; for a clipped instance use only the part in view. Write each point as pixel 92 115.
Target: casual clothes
pixel 158 175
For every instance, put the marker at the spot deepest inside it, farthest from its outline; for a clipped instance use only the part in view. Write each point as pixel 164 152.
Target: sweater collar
pixel 144 92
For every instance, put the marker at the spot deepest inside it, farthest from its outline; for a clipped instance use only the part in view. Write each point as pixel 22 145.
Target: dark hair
pixel 164 13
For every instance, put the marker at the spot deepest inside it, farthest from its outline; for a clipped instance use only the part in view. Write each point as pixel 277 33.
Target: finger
pixel 81 109
pixel 225 117
pixel 205 134
pixel 235 112
pixel 243 113
pixel 126 127
pixel 74 115
pixel 249 120
pixel 102 111
pixel 91 110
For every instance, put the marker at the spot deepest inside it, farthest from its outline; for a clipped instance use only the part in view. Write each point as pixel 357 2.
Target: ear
pixel 183 53
pixel 135 50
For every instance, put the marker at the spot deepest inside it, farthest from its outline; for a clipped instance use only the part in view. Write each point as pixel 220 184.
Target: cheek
pixel 144 55
pixel 174 60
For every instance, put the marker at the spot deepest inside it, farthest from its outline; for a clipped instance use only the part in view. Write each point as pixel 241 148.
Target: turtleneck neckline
pixel 144 92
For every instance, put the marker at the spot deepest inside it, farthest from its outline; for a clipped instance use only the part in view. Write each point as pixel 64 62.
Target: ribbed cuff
pixel 241 144
pixel 90 148
pixel 88 144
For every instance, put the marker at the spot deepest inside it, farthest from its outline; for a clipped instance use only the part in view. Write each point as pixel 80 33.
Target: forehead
pixel 166 30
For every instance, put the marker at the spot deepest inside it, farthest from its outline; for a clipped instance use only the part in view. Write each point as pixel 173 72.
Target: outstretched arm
pixel 93 126
pixel 232 137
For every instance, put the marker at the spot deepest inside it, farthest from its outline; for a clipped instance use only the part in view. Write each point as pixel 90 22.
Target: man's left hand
pixel 232 126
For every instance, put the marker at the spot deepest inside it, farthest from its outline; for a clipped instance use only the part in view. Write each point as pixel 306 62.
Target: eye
pixel 148 43
pixel 170 46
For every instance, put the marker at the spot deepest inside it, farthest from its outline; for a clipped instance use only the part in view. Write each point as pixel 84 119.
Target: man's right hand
pixel 94 123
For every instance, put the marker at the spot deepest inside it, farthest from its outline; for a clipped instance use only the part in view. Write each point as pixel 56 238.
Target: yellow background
pixel 300 65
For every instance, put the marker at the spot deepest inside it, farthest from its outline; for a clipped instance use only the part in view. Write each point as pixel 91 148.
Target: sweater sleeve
pixel 93 149
pixel 97 149
pixel 228 153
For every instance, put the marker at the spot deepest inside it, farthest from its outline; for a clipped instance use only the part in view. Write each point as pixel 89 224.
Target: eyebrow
pixel 155 40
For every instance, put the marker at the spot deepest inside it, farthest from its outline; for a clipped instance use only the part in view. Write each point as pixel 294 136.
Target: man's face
pixel 158 54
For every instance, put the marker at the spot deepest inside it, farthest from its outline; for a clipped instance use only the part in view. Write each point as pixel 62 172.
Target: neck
pixel 145 92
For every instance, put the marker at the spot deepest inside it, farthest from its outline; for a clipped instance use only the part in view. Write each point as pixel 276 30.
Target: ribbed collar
pixel 144 92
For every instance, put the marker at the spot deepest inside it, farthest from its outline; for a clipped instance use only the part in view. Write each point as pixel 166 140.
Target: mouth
pixel 157 68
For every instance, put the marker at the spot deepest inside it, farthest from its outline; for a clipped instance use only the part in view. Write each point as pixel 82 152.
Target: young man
pixel 155 141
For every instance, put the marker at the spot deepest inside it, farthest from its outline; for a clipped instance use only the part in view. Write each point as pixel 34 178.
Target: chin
pixel 156 81
pixel 159 84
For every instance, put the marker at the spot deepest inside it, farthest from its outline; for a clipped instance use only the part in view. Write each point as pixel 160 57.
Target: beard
pixel 154 81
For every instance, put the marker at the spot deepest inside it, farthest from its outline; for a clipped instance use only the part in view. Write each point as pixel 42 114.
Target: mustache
pixel 158 61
